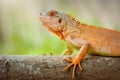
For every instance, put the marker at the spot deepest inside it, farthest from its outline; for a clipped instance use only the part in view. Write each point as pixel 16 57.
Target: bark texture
pixel 50 68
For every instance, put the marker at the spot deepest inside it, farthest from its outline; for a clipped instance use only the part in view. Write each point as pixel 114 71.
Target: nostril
pixel 40 13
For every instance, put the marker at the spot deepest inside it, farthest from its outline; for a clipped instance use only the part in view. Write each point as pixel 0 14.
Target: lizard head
pixel 54 22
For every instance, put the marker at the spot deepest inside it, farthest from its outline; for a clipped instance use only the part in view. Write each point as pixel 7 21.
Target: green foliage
pixel 49 45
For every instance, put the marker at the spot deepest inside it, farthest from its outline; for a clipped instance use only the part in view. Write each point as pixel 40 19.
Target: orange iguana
pixel 83 37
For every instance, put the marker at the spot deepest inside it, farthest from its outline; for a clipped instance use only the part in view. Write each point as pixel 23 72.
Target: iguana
pixel 85 38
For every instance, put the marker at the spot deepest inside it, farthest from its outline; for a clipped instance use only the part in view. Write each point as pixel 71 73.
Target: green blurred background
pixel 21 32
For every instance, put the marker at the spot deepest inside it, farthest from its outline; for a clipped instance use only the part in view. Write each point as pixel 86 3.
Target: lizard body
pixel 85 38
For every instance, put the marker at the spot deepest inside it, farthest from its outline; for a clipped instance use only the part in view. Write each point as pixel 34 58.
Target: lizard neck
pixel 71 31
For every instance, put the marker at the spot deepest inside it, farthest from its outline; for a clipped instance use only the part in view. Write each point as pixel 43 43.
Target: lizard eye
pixel 59 20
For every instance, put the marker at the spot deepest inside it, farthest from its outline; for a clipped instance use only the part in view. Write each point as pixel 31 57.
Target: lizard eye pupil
pixel 60 20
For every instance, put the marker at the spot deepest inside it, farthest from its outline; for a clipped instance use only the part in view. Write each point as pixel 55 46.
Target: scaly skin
pixel 83 37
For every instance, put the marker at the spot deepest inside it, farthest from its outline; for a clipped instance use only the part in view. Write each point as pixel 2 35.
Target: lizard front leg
pixel 76 61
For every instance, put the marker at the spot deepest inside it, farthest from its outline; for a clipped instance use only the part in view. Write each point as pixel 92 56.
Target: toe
pixel 68 67
pixel 80 66
pixel 67 60
pixel 74 69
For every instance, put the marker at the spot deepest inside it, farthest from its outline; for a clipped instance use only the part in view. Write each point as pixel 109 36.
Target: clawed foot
pixel 74 62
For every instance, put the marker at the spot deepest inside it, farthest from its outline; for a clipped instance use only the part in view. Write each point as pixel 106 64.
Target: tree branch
pixel 50 68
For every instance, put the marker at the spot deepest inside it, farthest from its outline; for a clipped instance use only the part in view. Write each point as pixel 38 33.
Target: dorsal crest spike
pixel 73 18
